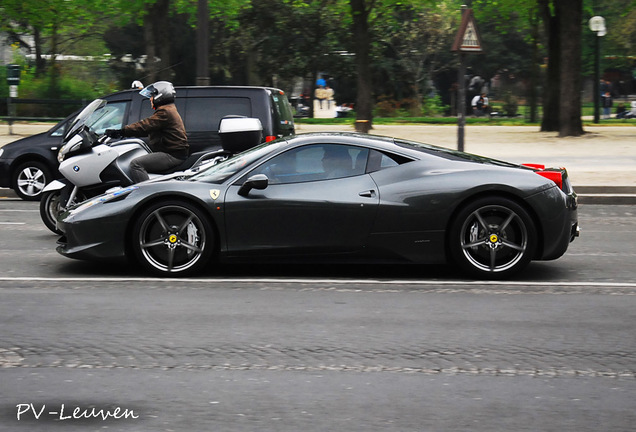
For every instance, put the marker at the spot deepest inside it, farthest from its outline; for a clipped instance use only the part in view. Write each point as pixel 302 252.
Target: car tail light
pixel 554 174
pixel 269 138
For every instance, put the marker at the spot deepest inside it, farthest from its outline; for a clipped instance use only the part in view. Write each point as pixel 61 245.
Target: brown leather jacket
pixel 165 131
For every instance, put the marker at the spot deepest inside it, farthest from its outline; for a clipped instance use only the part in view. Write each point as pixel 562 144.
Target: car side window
pixel 60 129
pixel 380 160
pixel 314 163
pixel 205 113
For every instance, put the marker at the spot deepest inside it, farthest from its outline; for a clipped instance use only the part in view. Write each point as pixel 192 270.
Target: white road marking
pixel 343 281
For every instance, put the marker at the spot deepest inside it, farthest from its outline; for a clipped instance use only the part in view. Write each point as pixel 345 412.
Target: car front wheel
pixel 29 179
pixel 173 239
pixel 493 238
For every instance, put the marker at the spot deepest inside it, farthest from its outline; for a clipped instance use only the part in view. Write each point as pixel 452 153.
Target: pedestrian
pixel 165 130
pixel 606 98
pixel 607 105
pixel 479 104
pixel 328 96
pixel 320 94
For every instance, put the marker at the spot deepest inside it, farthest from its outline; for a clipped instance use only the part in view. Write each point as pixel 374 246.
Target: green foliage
pixel 433 106
pixel 271 42
pixel 408 107
pixel 510 103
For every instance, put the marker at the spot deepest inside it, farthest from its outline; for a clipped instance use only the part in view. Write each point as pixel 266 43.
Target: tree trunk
pixel 40 63
pixel 364 99
pixel 157 37
pixel 570 13
pixel 551 88
pixel 534 73
pixel 54 68
pixel 149 37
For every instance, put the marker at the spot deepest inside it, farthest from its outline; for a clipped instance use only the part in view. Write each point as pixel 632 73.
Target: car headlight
pixel 119 193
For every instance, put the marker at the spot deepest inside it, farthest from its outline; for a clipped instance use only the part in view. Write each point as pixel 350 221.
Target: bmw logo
pixel 76 168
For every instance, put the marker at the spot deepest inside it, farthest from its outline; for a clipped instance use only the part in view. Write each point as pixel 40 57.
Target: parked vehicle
pixel 29 164
pixel 335 198
pixel 92 163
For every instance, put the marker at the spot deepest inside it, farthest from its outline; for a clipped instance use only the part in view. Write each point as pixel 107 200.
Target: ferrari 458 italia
pixel 335 197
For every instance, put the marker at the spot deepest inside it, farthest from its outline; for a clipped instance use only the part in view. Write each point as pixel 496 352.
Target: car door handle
pixel 367 193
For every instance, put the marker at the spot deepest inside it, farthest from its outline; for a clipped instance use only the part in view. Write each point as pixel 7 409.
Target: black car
pixel 28 164
pixel 334 197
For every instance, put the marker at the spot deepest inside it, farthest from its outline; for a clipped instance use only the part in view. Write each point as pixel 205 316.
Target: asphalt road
pixel 318 349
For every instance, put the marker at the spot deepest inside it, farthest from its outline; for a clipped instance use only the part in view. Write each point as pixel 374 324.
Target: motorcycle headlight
pixel 71 146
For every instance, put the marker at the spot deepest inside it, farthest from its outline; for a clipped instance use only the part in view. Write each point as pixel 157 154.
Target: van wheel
pixel 29 179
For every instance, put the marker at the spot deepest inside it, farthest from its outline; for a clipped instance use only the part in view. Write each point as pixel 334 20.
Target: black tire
pixel 29 179
pixel 173 238
pixel 50 208
pixel 492 238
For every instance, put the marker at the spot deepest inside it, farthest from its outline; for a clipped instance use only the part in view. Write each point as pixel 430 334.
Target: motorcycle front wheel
pixel 51 206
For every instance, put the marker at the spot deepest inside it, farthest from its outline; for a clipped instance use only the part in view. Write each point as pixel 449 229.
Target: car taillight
pixel 269 138
pixel 554 174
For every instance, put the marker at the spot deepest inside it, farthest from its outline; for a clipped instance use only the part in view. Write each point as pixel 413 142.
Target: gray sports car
pixel 335 197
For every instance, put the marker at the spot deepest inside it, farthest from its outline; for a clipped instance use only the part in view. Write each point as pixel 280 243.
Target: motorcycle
pixel 92 164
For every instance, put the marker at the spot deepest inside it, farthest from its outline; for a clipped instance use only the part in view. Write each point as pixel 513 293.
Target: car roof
pixel 377 142
pixel 412 149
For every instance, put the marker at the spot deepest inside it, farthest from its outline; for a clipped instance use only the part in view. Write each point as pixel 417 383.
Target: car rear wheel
pixel 493 238
pixel 173 239
pixel 29 179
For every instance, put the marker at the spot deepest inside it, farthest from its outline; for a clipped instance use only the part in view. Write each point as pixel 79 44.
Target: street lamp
pixel 597 25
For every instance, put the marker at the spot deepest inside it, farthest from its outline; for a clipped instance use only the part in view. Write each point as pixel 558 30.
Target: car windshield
pixel 222 171
pixel 451 154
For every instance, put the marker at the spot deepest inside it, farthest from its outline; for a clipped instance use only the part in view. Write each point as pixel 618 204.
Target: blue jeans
pixel 154 162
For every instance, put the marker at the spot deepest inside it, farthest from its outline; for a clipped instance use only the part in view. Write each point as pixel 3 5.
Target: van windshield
pixel 284 117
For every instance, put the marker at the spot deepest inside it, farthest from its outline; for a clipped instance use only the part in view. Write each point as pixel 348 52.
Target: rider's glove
pixel 114 133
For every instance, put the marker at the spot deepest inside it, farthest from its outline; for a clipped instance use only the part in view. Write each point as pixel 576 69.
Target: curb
pixel 607 195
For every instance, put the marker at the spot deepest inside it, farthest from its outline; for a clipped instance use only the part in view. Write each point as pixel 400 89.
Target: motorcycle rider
pixel 167 135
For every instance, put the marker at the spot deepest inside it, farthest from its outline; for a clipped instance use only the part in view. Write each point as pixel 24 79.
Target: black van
pixel 28 164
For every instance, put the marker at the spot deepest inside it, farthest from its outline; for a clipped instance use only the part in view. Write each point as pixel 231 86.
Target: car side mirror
pixel 258 181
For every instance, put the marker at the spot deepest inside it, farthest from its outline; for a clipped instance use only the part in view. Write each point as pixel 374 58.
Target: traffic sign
pixel 13 74
pixel 467 38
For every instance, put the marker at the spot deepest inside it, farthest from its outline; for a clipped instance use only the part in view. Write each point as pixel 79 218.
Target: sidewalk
pixel 600 163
